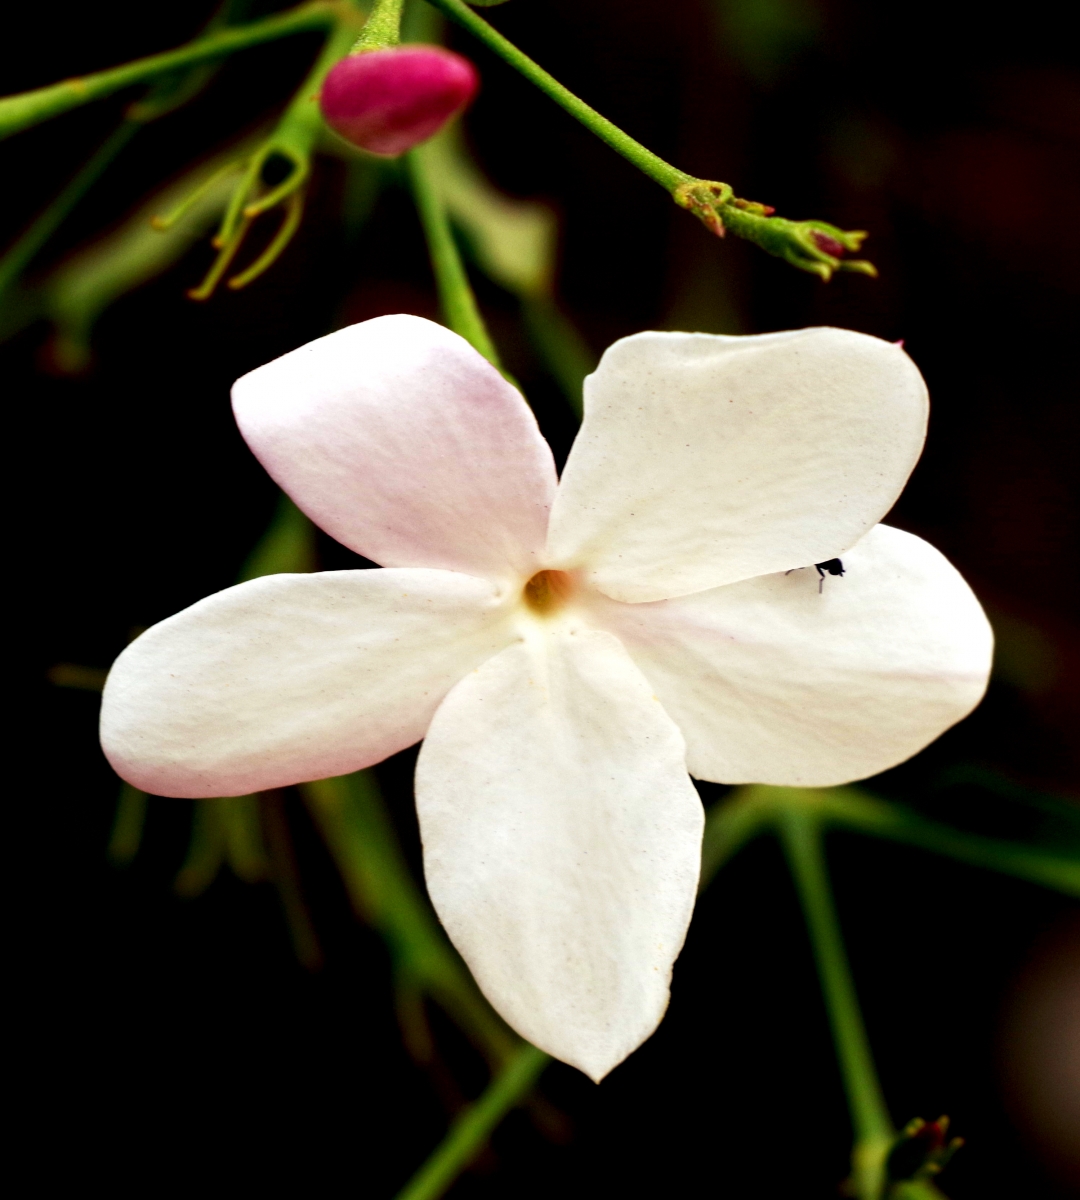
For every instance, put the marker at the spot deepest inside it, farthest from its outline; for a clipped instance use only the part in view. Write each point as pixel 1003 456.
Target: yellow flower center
pixel 548 591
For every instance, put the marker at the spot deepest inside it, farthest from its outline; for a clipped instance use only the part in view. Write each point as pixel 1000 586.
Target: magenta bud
pixel 387 101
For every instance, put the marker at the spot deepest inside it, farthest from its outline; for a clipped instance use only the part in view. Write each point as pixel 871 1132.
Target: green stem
pixel 286 876
pixel 50 219
pixel 800 831
pixel 561 348
pixel 128 825
pixel 474 1126
pixel 656 168
pixel 350 816
pixel 729 825
pixel 455 293
pixel 850 808
pixel 29 108
pixel 382 28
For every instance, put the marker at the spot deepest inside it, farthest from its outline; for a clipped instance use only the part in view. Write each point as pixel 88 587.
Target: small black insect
pixel 832 566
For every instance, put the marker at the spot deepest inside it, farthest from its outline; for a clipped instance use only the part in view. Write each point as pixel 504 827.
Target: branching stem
pixel 29 108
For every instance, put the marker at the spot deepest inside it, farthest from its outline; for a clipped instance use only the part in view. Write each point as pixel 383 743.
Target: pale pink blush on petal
pixel 401 441
pixel 288 678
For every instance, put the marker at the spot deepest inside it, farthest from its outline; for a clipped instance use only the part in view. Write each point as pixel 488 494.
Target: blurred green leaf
pixel 513 241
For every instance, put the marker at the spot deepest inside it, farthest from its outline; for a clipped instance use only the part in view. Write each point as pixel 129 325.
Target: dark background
pixel 177 1044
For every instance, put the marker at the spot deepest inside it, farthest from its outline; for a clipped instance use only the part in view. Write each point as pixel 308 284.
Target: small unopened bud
pixel 387 101
pixel 829 244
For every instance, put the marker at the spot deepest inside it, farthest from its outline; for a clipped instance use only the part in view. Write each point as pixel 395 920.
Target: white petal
pixel 562 842
pixel 400 440
pixel 771 681
pixel 294 677
pixel 704 460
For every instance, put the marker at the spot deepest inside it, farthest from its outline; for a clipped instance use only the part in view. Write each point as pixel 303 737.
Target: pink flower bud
pixel 387 101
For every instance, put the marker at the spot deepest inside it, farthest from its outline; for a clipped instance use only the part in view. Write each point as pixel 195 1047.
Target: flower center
pixel 548 591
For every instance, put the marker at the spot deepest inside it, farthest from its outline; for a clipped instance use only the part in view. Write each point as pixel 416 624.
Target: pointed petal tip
pixel 594 1060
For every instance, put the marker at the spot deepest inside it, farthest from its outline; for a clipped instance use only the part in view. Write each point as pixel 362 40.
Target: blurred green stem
pixel 127 830
pixel 286 879
pixel 656 168
pixel 562 349
pixel 455 293
pixel 29 108
pixel 474 1126
pixel 800 832
pixel 349 813
pixel 49 220
pixel 753 808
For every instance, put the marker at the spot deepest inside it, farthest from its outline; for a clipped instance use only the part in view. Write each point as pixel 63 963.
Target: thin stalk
pixel 730 825
pixel 858 811
pixel 562 349
pixel 128 825
pixel 52 217
pixel 455 293
pixel 349 813
pixel 29 108
pixel 382 28
pixel 653 165
pixel 470 1132
pixel 801 835
pixel 286 876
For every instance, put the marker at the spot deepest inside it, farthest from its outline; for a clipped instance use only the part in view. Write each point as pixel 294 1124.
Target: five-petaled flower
pixel 571 651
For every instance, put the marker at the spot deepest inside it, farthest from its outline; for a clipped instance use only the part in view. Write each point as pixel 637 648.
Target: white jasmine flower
pixel 570 651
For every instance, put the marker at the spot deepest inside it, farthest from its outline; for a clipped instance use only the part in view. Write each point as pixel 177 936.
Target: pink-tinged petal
pixel 401 441
pixel 790 680
pixel 294 677
pixel 387 101
pixel 562 842
pixel 703 460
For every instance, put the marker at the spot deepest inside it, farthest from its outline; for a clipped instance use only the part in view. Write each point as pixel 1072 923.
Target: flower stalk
pixel 382 28
pixel 455 293
pixel 471 1130
pixel 653 165
pixel 874 1133
pixel 813 246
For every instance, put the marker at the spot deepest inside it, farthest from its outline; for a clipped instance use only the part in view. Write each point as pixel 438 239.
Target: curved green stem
pixel 29 108
pixel 813 246
pixel 651 164
pixel 455 293
pixel 474 1126
pixel 800 832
